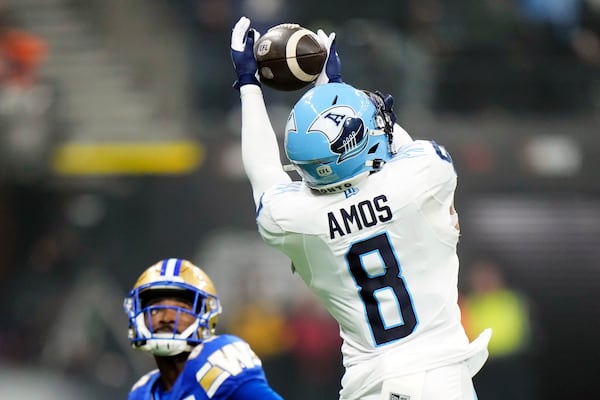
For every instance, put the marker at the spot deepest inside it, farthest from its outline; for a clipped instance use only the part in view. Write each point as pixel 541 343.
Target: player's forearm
pixel 260 150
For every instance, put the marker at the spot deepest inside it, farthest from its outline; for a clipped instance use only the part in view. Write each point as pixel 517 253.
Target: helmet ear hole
pixel 373 149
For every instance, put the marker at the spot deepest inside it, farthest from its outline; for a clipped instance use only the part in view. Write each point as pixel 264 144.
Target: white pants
pixel 452 382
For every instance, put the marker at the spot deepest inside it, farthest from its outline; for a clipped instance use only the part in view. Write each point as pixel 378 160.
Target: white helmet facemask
pixel 164 343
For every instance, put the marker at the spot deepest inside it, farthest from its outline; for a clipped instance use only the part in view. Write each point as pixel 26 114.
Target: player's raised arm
pixel 260 150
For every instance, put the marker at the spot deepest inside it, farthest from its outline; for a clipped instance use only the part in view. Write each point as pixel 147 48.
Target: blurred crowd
pixel 64 252
pixel 25 100
pixel 521 56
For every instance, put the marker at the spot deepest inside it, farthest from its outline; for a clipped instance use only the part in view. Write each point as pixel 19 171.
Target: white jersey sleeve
pixel 260 150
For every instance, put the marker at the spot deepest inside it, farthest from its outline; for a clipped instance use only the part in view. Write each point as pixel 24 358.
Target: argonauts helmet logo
pixel 345 131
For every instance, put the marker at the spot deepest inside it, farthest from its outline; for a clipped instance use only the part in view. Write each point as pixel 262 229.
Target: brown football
pixel 289 57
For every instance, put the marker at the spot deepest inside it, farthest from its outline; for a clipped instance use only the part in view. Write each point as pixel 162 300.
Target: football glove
pixel 242 53
pixel 332 70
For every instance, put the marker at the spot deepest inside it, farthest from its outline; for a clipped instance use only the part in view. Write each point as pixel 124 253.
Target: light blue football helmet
pixel 336 135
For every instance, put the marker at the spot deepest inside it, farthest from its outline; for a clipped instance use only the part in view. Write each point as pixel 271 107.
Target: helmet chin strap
pixel 289 168
pixel 163 343
pixel 375 164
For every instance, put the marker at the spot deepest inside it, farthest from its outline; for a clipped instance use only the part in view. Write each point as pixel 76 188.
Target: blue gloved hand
pixel 332 70
pixel 242 53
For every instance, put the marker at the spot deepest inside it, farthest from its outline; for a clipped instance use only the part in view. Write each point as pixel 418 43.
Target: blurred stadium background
pixel 123 149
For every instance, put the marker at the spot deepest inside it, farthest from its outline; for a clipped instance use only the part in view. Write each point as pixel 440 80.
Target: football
pixel 289 57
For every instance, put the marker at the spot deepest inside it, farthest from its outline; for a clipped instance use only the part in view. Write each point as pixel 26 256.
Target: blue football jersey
pixel 215 369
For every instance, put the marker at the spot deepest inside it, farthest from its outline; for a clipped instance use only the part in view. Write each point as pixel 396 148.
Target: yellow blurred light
pixel 177 157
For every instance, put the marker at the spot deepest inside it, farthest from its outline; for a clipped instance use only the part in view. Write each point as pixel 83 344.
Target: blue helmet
pixel 337 134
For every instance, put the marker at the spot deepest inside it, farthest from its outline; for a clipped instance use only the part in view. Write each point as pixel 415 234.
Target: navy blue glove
pixel 388 102
pixel 242 53
pixel 332 70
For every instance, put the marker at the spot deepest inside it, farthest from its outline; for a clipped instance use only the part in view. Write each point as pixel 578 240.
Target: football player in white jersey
pixel 173 310
pixel 371 229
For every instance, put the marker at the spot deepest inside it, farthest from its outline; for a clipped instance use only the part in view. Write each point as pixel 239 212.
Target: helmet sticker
pixel 352 139
pixel 344 130
pixel 324 170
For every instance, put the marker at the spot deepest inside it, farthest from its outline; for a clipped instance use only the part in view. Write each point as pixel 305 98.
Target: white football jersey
pixel 382 259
